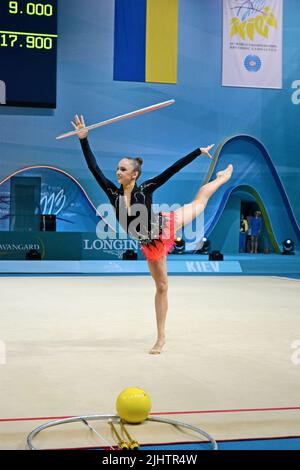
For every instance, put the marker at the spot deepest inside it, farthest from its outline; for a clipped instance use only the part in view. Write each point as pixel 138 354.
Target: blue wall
pixel 204 112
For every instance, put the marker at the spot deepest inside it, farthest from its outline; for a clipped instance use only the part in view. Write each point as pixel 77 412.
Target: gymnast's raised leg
pixel 184 215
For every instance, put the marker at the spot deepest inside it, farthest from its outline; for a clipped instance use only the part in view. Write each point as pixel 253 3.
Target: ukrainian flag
pixel 145 40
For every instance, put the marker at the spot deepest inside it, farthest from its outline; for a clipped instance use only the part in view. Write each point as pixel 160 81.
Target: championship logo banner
pixel 252 43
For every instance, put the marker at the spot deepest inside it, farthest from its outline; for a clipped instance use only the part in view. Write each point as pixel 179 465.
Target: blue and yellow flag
pixel 145 40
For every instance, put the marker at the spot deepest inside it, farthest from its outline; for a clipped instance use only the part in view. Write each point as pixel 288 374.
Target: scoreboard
pixel 28 52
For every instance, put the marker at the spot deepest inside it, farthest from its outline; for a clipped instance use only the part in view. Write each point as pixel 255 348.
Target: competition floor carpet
pixel 70 344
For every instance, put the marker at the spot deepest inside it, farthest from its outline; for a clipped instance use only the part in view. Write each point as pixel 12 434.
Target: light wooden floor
pixel 73 343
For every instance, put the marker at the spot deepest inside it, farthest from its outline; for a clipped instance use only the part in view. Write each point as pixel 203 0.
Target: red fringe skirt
pixel 162 246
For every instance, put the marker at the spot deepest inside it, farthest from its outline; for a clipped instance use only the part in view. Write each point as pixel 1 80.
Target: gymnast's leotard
pixel 142 194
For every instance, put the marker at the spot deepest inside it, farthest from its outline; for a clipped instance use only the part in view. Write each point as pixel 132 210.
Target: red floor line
pixel 42 418
pixel 243 410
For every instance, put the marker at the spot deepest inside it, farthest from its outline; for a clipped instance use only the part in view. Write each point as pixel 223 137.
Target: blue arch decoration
pixel 61 194
pixel 255 173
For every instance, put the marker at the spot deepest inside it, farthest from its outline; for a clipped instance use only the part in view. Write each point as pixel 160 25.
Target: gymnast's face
pixel 125 172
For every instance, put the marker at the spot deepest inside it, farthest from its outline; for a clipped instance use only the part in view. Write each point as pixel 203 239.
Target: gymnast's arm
pixel 159 180
pixel 104 182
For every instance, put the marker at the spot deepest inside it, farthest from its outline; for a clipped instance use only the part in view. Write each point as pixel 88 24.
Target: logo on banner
pixel 113 247
pixel 16 247
pixel 53 203
pixel 250 18
pixel 252 43
pixel 252 63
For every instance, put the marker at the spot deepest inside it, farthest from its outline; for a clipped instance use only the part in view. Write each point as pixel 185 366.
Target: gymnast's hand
pixel 205 150
pixel 79 124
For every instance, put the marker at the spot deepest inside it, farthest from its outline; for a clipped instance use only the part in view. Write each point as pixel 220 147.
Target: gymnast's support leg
pixel 184 215
pixel 158 270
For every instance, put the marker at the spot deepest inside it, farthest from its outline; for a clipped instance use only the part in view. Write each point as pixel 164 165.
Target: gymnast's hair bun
pixel 139 160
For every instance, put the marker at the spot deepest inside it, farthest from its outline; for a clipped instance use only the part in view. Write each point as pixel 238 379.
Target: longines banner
pixel 252 43
pixel 63 246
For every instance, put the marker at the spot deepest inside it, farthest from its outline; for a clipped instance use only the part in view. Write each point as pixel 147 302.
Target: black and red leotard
pixel 150 227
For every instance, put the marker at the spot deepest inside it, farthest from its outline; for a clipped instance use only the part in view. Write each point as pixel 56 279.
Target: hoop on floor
pixel 103 417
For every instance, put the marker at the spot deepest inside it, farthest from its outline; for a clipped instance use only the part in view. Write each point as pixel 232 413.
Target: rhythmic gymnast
pixel 156 232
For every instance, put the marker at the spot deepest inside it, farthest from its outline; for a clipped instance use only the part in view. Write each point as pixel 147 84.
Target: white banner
pixel 252 43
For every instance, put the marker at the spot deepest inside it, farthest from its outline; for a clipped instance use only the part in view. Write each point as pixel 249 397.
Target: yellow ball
pixel 133 405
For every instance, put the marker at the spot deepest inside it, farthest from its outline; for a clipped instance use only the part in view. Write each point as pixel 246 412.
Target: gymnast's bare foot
pixel 157 348
pixel 225 174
